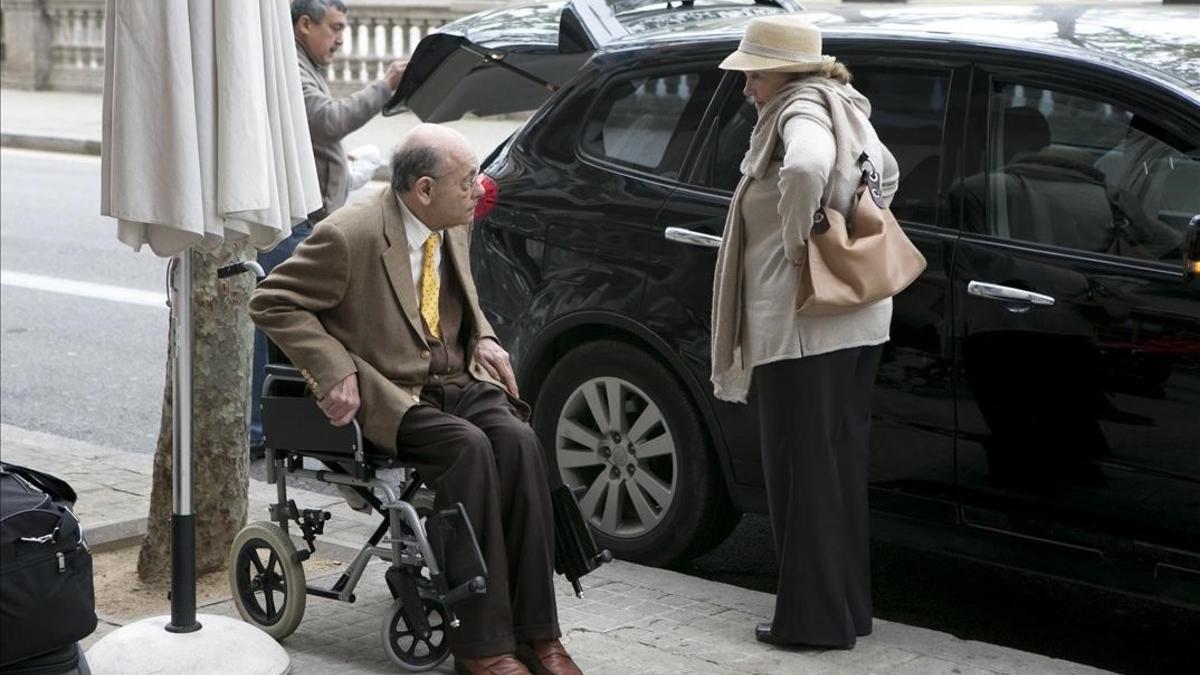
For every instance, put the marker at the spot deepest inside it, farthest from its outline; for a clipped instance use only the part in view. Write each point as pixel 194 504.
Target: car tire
pixel 651 488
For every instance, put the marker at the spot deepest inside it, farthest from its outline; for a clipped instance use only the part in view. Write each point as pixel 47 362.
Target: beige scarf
pixel 847 112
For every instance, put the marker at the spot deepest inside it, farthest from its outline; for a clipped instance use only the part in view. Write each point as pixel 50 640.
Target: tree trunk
pixel 222 348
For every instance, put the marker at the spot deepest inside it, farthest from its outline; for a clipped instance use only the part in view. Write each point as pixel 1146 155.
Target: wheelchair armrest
pixel 284 372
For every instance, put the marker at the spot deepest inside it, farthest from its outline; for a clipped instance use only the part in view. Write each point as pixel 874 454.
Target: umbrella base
pixel 222 646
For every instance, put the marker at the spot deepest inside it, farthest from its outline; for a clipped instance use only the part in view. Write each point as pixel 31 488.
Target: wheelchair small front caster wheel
pixel 410 651
pixel 266 579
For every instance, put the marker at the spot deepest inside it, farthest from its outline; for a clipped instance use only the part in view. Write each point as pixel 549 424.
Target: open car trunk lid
pixel 513 59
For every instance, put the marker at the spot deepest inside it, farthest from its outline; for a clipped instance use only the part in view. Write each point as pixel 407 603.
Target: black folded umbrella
pixel 575 552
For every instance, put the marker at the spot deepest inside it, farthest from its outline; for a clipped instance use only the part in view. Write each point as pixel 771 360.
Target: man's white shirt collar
pixel 417 232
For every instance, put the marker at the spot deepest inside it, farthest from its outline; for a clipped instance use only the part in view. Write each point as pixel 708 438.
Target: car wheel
pixel 618 426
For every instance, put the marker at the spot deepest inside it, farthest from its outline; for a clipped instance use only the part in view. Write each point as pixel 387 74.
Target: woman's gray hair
pixel 412 162
pixel 314 9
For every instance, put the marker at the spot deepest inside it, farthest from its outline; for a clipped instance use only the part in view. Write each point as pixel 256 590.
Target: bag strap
pixel 56 487
pixel 869 178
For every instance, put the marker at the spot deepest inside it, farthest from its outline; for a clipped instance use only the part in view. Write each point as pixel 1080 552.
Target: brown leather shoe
pixel 500 664
pixel 548 657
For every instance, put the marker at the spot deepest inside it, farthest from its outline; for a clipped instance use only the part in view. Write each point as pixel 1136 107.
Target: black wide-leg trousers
pixel 815 421
pixel 470 447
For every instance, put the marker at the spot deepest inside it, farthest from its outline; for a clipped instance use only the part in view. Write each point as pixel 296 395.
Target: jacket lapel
pixel 397 262
pixel 460 253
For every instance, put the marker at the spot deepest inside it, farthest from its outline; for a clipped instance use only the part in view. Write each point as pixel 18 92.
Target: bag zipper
pixel 60 556
pixel 32 489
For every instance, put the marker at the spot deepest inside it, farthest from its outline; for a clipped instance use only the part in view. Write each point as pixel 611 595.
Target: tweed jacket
pixel 330 120
pixel 345 303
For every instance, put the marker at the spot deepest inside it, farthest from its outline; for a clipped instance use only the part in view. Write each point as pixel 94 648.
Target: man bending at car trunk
pixel 379 311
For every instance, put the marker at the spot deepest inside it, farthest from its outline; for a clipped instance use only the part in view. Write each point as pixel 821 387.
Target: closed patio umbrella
pixel 204 139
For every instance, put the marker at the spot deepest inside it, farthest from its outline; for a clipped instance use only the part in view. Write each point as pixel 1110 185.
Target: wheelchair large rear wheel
pixel 266 579
pixel 410 651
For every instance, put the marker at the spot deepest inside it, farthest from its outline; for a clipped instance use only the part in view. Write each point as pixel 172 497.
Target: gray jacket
pixel 330 120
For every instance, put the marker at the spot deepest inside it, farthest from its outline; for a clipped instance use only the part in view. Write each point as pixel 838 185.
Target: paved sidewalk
pixel 633 619
pixel 71 122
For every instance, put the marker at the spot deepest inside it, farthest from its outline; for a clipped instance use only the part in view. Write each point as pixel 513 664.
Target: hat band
pixel 776 53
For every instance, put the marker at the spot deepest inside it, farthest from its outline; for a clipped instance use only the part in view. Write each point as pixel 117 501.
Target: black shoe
pixel 762 633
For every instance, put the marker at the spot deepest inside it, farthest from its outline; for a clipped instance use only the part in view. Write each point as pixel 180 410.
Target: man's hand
pixel 395 71
pixel 495 360
pixel 342 402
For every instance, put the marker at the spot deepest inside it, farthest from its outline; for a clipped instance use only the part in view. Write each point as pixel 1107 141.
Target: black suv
pixel 1039 402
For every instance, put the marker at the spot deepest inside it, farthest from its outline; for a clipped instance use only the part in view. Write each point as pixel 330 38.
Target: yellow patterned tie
pixel 430 286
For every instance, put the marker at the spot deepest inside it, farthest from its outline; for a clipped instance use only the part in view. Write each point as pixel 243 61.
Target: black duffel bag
pixel 46 596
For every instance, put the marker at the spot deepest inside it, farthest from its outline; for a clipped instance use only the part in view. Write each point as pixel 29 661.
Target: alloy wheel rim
pixel 613 440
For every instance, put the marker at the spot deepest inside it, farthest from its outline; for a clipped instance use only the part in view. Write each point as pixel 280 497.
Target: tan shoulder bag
pixel 856 263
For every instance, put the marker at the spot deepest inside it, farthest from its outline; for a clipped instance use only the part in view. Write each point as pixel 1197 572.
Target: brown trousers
pixel 470 447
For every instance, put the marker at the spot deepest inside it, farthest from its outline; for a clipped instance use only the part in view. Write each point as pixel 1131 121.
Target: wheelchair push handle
pixel 240 267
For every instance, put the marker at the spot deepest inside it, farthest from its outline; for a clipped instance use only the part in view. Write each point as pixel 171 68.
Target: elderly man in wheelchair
pixel 396 366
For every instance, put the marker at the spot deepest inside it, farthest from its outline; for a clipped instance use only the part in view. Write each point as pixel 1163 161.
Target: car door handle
pixel 1009 294
pixel 685 236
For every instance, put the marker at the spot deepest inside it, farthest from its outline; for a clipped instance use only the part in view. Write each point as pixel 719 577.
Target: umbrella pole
pixel 183 521
pixel 228 645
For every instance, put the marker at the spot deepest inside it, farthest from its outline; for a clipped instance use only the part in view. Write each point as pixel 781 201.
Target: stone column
pixel 27 40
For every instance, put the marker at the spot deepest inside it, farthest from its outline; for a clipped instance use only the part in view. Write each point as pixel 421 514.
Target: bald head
pixel 442 139
pixel 434 173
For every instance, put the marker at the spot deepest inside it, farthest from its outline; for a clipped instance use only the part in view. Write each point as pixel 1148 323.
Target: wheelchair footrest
pixel 465 590
pixel 459 559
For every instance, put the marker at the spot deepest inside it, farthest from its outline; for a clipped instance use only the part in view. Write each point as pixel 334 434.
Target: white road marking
pixel 83 289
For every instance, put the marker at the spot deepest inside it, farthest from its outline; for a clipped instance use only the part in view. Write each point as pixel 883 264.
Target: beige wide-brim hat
pixel 782 44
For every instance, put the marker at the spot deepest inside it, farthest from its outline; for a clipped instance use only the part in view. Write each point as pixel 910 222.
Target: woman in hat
pixel 812 376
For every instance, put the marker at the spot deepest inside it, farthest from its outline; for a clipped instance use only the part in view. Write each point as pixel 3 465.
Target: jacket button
pixel 425 354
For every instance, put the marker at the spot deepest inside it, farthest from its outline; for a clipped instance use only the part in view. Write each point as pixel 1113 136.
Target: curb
pixel 48 142
pixel 115 534
pixel 119 534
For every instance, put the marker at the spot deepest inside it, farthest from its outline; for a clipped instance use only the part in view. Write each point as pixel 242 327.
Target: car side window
pixel 908 109
pixel 647 122
pixel 718 163
pixel 1081 173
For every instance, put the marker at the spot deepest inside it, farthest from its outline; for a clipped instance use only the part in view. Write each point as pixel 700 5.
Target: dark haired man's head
pixel 318 26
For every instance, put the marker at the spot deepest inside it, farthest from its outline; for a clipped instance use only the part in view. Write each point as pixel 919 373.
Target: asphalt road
pixel 88 363
pixel 75 366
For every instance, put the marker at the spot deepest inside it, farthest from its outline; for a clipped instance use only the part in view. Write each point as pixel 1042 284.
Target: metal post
pixel 183 523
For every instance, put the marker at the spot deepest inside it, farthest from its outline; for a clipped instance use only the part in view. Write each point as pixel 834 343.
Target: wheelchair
pixel 266 571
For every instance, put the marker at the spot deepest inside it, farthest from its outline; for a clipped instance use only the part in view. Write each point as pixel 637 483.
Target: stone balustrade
pixel 59 44
pixel 76 45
